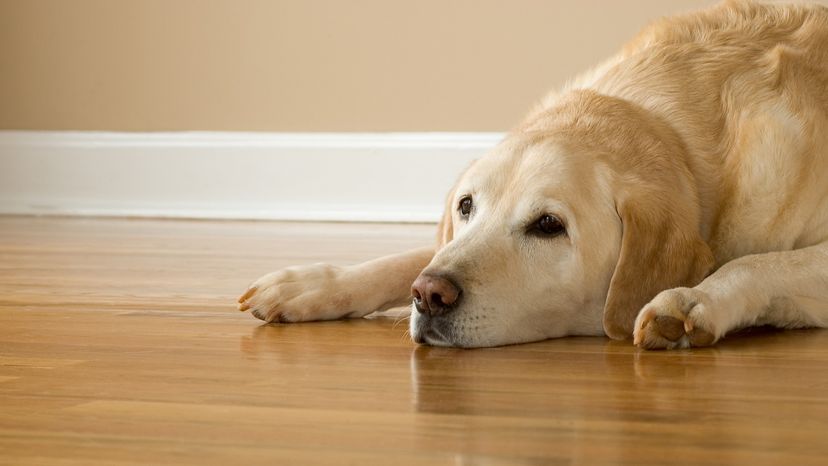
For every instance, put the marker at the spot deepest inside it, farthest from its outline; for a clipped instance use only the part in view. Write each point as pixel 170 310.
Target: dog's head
pixel 572 224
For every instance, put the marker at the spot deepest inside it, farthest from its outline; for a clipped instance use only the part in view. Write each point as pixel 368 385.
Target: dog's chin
pixel 426 333
pixel 453 331
pixel 432 338
pixel 433 331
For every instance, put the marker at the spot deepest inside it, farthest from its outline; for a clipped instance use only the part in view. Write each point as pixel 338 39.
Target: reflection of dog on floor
pixel 675 193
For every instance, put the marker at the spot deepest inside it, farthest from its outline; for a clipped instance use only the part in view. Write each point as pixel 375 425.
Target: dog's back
pixel 746 86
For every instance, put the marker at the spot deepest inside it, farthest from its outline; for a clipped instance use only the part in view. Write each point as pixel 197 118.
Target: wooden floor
pixel 120 344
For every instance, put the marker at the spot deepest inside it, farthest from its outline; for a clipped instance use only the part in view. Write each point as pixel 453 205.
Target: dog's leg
pixel 326 292
pixel 784 289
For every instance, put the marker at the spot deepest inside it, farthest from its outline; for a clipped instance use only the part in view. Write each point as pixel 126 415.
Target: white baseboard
pixel 395 177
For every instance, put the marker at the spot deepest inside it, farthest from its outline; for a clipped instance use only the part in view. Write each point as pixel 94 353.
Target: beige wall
pixel 298 65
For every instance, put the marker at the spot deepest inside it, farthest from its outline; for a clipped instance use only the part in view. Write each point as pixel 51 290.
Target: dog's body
pixel 697 157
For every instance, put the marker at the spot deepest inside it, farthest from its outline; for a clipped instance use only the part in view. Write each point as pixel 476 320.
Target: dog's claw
pixel 247 294
pixel 638 338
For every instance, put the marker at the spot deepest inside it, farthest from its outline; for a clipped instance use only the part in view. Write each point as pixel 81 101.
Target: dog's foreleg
pixel 785 289
pixel 326 292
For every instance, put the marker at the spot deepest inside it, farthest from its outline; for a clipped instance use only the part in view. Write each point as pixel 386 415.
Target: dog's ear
pixel 661 248
pixel 445 229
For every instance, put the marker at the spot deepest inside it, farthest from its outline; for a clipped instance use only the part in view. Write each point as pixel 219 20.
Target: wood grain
pixel 120 345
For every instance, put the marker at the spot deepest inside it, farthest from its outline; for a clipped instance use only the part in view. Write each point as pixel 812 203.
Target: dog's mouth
pixel 432 337
pixel 429 331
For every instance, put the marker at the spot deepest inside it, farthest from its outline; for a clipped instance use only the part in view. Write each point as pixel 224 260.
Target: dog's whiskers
pixel 400 319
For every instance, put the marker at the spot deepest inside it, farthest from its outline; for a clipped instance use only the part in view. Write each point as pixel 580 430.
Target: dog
pixel 673 194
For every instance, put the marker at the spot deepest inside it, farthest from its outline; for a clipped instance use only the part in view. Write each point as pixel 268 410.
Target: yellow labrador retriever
pixel 673 194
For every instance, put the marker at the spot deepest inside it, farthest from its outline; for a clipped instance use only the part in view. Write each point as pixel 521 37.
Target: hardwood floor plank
pixel 120 344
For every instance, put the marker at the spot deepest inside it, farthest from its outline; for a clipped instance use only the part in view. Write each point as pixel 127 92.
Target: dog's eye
pixel 465 206
pixel 548 225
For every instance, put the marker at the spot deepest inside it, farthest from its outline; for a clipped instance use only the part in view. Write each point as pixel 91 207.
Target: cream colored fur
pixel 690 171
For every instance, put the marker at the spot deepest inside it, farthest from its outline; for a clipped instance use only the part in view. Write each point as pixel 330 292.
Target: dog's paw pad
pixel 669 327
pixel 701 337
pixel 677 318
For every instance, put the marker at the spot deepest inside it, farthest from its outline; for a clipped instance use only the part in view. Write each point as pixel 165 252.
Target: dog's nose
pixel 434 295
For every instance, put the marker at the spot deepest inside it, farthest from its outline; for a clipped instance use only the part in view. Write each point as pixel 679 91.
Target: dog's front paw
pixel 297 294
pixel 676 318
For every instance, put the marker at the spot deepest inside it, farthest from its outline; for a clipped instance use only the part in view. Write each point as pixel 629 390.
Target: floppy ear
pixel 661 248
pixel 445 229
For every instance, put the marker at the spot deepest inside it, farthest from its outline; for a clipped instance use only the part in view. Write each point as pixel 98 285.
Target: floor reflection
pixel 583 387
pixel 573 398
